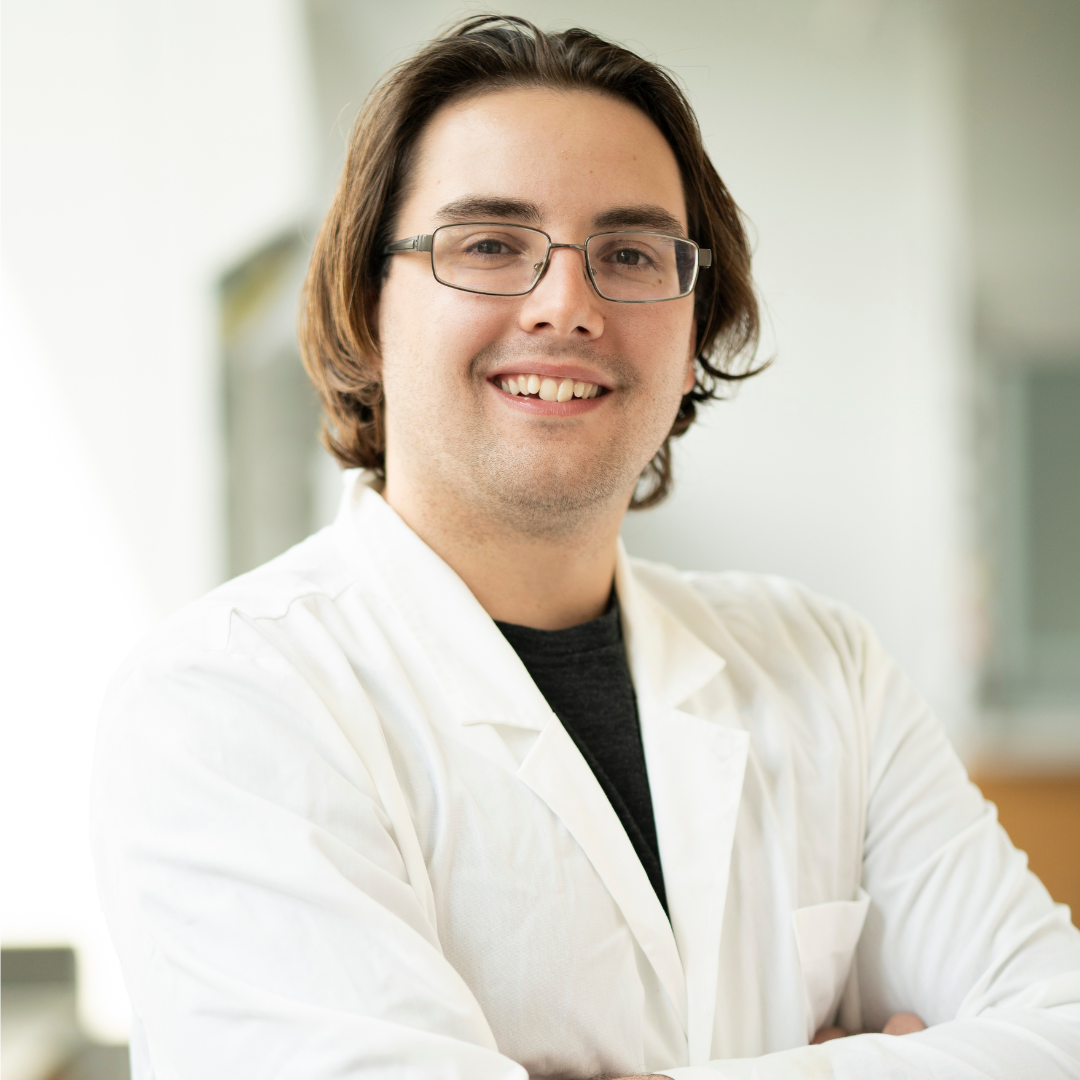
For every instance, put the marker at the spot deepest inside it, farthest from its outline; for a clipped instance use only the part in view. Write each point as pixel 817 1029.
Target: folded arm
pixel 257 893
pixel 959 931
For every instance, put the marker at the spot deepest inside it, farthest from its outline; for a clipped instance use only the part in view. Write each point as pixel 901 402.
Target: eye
pixel 628 257
pixel 489 247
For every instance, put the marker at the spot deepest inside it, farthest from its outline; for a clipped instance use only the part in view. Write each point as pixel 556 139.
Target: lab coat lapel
pixel 695 772
pixel 480 674
pixel 558 774
pixel 489 690
pixel 696 766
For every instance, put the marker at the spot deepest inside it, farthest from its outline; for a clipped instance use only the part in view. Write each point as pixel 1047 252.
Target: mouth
pixel 546 388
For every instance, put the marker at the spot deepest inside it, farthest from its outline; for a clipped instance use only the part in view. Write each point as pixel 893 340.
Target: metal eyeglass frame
pixel 426 242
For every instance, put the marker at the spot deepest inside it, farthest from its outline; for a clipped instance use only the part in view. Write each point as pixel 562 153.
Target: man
pixel 454 788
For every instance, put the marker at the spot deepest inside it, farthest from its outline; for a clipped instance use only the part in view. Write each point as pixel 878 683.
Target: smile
pixel 547 389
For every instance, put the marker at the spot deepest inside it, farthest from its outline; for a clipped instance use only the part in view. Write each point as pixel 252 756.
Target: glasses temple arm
pixel 412 243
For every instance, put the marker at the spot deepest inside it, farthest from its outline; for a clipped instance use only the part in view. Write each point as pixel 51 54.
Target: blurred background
pixel 909 170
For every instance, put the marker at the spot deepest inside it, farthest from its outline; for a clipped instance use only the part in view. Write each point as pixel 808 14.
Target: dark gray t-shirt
pixel 583 673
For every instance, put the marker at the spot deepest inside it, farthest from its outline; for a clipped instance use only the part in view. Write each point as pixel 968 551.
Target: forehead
pixel 572 154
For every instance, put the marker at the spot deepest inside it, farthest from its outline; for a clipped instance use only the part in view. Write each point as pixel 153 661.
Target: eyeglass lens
pixel 506 260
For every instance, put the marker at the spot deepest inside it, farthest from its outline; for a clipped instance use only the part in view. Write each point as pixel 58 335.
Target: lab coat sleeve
pixel 256 891
pixel 958 931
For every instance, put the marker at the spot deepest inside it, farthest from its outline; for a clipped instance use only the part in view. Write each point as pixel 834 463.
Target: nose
pixel 564 304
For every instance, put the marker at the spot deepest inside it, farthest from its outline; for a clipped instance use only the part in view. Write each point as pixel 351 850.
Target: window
pixel 1035 661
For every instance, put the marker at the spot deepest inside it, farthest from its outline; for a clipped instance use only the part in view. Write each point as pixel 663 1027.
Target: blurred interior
pixel 909 170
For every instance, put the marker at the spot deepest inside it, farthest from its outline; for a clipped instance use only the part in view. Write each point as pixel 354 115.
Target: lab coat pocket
pixel 827 935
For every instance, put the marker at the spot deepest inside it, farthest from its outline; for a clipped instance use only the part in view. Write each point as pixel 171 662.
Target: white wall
pixel 1023 137
pixel 843 465
pixel 146 147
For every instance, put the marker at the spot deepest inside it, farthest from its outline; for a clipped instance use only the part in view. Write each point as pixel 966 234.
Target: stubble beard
pixel 542 485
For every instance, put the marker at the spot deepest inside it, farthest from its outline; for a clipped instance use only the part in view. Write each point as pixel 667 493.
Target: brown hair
pixel 338 337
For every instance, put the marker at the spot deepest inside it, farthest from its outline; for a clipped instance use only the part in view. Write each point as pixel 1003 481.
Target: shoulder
pixel 305 576
pixel 763 614
pixel 234 659
pixel 227 685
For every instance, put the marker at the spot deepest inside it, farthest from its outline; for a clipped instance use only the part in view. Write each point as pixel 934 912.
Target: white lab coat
pixel 339 833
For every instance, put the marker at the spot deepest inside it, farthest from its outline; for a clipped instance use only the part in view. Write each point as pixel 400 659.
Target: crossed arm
pixel 958 929
pixel 904 1023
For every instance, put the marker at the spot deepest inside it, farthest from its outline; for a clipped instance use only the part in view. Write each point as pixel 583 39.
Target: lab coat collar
pixel 480 673
pixel 479 670
pixel 665 657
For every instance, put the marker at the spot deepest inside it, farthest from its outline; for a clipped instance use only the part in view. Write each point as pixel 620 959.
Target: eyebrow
pixel 639 217
pixel 490 208
pixel 503 208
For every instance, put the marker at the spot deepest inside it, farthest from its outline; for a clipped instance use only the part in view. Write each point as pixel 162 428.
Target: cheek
pixel 435 329
pixel 665 347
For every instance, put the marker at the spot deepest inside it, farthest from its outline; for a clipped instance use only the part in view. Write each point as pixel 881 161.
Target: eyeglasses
pixel 629 266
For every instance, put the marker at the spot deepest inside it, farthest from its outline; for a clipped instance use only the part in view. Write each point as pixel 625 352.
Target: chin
pixel 545 496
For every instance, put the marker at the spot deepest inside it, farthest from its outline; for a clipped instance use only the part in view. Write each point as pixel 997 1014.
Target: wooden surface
pixel 1041 814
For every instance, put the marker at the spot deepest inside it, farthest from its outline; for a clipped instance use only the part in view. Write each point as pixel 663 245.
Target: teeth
pixel 546 388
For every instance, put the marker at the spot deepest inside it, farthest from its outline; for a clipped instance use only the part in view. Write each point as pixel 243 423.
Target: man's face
pixel 571 164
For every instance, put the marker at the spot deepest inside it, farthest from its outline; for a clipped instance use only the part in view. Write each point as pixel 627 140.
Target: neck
pixel 549 581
